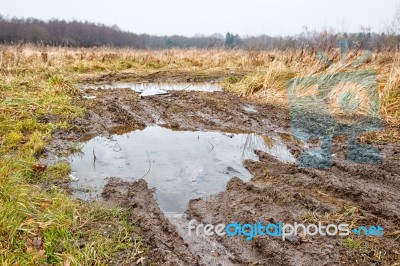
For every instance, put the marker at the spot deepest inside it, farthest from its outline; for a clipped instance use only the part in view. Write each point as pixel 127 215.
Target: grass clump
pixel 352 243
pixel 58 171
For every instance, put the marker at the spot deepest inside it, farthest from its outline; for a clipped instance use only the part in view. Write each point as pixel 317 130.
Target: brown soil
pixel 358 194
pixel 167 247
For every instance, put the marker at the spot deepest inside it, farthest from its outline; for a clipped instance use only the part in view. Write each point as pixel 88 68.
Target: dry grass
pixel 268 71
pixel 269 79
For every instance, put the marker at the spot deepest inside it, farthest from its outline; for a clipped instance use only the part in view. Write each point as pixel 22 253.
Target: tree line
pixel 85 34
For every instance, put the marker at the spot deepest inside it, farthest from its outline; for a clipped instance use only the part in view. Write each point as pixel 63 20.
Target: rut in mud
pixel 353 193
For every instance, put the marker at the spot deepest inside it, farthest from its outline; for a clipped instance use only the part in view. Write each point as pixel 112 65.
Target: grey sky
pixel 189 17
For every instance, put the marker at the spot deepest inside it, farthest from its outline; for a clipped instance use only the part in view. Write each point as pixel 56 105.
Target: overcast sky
pixel 190 17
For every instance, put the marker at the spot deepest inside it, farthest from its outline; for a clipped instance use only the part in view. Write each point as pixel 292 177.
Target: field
pixel 43 117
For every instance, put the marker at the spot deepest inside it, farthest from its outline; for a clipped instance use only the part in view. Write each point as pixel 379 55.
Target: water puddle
pixel 88 97
pixel 181 165
pixel 250 108
pixel 148 89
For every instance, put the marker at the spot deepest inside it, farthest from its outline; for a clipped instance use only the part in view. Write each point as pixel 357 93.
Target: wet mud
pixel 357 194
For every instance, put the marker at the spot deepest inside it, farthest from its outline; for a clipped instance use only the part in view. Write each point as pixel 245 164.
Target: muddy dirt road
pixel 357 194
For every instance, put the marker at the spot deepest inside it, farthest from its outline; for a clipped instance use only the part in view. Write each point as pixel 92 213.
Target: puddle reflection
pixel 183 164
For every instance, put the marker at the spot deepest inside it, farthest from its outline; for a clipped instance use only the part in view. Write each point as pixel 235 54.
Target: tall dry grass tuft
pixel 390 96
pixel 268 81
